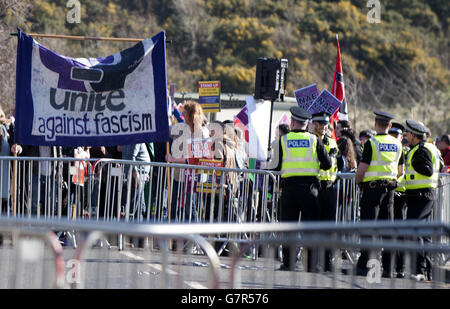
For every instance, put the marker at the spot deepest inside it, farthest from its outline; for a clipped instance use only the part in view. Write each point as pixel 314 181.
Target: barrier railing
pixel 130 191
pixel 194 262
pixel 30 259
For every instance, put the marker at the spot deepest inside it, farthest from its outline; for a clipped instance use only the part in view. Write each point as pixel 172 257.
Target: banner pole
pixel 14 184
pixel 80 38
pixel 169 195
pixel 269 146
pixel 83 38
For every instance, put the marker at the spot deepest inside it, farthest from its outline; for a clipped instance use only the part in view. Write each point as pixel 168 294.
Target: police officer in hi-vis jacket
pixel 423 165
pixel 397 131
pixel 377 174
pixel 302 157
pixel 327 192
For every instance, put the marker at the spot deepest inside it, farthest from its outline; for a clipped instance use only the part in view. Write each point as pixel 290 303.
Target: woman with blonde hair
pixel 181 133
pixel 194 118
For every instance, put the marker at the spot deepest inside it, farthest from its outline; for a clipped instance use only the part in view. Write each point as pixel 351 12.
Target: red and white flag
pixel 338 89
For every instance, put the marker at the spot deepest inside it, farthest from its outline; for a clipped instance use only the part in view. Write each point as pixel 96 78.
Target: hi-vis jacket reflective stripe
pixel 330 174
pixel 299 155
pixel 386 152
pixel 401 180
pixel 414 180
pixel 401 184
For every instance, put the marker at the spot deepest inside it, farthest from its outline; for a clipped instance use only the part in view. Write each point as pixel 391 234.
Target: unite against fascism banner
pixel 116 100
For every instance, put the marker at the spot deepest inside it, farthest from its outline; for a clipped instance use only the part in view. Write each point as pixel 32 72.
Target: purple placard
pixel 306 96
pixel 325 102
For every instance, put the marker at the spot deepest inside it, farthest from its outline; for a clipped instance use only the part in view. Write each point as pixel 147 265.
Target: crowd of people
pixel 305 153
pixel 227 147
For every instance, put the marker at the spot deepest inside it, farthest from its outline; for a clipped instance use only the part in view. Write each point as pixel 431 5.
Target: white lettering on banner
pixel 103 125
pixel 88 102
pixel 388 147
pixel 299 143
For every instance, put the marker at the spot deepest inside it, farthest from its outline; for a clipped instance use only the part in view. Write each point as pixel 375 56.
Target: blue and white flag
pixel 117 100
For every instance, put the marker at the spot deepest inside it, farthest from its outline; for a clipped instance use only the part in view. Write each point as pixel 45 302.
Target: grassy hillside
pixel 400 64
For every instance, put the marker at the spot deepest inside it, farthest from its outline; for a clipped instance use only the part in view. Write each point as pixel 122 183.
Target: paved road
pixel 143 268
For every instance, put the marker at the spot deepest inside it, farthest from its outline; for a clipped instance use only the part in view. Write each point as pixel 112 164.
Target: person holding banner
pixel 4 152
pixel 377 173
pixel 303 155
pixel 139 175
pixel 327 192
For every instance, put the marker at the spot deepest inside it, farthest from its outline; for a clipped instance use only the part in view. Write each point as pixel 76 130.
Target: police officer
pixel 303 155
pixel 327 192
pixel 421 180
pixel 377 176
pixel 397 131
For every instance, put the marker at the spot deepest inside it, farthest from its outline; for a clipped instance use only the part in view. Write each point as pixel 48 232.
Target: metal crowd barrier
pixel 30 258
pixel 96 265
pixel 130 191
pixel 134 191
pixel 159 192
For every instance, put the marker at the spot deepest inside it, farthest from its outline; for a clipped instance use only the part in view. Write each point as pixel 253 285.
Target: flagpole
pixel 269 146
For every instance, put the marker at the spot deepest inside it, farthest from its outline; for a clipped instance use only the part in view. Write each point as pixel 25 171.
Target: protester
pixel 282 129
pixel 43 181
pixel 444 146
pixel 4 151
pixel 346 159
pixel 241 150
pixel 345 129
pixel 139 175
pixel 365 135
pixel 181 135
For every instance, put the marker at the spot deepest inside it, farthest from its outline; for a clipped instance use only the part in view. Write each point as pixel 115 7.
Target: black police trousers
pixel 376 204
pixel 298 199
pixel 327 207
pixel 399 215
pixel 420 204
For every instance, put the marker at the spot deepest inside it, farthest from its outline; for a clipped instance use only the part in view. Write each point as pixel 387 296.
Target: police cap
pixel 383 115
pixel 321 117
pixel 397 128
pixel 299 114
pixel 416 127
